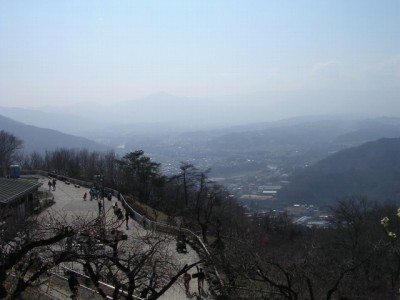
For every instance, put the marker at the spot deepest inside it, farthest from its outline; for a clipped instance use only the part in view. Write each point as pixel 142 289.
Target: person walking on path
pixel 144 222
pixel 186 281
pixel 200 279
pixel 99 202
pixel 54 184
pixel 126 219
pixel 73 285
pixel 115 207
pixel 84 196
pixel 49 185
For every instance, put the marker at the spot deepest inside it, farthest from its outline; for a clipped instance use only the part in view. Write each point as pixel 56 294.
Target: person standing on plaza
pixel 144 222
pixel 186 281
pixel 91 194
pixel 99 202
pixel 126 219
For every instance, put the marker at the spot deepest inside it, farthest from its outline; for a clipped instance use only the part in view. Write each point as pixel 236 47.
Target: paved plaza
pixel 69 200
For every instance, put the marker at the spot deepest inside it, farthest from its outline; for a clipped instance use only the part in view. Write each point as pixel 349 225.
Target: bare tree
pixel 110 168
pixel 34 161
pixel 9 146
pixel 353 259
pixel 41 244
pixel 206 198
pixel 20 265
pixel 185 180
pixel 143 266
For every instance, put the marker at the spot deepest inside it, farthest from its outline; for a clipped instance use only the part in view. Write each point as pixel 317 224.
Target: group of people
pixel 52 184
pixel 116 208
pixel 95 194
pixel 200 275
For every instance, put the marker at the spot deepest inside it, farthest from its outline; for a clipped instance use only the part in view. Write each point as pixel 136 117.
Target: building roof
pixel 11 189
pixel 256 198
pixel 269 192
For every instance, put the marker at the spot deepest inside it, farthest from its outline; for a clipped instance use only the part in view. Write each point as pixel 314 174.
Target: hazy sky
pixel 53 52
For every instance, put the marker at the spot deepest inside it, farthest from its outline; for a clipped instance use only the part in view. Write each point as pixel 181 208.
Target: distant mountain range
pixel 210 123
pixel 58 119
pixel 41 139
pixel 312 132
pixel 230 151
pixel 182 114
pixel 172 112
pixel 359 165
pixel 371 170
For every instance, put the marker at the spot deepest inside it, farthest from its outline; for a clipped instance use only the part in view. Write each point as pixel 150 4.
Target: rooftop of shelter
pixel 11 189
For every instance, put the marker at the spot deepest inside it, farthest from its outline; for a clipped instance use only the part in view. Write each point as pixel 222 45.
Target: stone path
pixel 69 199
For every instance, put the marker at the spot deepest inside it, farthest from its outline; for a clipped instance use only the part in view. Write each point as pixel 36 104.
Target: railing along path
pixel 140 219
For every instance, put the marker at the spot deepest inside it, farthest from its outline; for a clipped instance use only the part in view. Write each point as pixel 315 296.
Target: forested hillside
pixel 372 170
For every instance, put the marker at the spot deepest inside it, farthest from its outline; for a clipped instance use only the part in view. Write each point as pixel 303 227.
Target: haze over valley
pixel 242 157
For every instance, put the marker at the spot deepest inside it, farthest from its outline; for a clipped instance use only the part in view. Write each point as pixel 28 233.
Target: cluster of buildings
pixel 310 216
pixel 262 197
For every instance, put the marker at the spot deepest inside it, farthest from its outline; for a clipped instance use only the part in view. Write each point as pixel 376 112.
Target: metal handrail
pixel 81 285
pixel 90 289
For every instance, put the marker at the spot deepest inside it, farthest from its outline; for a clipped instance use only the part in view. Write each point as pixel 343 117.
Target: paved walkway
pixel 69 199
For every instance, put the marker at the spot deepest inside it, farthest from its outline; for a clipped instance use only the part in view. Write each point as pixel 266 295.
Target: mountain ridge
pixel 42 139
pixel 371 170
